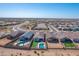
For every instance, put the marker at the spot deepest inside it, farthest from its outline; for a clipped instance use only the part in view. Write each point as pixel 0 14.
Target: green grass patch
pixel 34 44
pixel 69 44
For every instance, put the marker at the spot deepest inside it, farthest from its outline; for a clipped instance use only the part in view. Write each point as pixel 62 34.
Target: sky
pixel 39 10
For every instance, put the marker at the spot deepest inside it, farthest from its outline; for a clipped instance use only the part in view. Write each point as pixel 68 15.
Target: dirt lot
pixel 49 52
pixel 4 41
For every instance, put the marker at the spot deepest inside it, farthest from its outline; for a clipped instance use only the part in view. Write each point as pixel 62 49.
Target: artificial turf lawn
pixel 34 44
pixel 69 44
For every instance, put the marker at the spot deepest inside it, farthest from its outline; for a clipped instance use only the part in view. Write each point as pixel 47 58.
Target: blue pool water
pixel 41 45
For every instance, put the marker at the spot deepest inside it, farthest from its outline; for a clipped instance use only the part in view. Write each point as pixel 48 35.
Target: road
pixel 17 27
pixel 52 28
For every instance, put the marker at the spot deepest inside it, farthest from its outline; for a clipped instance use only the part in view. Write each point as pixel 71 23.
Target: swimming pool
pixel 41 45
